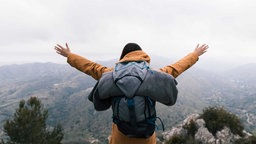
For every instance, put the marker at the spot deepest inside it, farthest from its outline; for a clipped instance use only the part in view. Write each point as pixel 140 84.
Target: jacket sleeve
pixel 181 65
pixel 88 67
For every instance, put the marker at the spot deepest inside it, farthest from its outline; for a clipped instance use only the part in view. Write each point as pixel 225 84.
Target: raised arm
pixel 80 63
pixel 183 64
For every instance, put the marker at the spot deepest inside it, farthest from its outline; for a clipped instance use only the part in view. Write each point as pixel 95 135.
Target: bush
pixel 217 117
pixel 191 128
pixel 178 139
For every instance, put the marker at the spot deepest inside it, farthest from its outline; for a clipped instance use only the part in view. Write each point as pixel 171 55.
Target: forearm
pixel 88 67
pixel 182 65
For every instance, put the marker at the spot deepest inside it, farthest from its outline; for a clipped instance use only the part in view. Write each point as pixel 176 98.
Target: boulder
pixel 204 136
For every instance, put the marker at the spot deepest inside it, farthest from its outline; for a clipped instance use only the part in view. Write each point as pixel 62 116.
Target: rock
pixel 225 136
pixel 200 123
pixel 174 131
pixel 204 136
pixel 192 117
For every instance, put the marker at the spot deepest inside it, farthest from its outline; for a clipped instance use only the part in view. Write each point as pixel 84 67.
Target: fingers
pixel 199 50
pixel 59 46
pixel 67 47
pixel 64 51
pixel 204 46
pixel 58 49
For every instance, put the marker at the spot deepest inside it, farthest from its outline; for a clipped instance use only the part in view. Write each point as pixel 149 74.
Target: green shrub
pixel 217 117
pixel 178 139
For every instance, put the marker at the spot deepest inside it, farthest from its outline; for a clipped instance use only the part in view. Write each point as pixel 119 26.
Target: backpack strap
pixel 131 107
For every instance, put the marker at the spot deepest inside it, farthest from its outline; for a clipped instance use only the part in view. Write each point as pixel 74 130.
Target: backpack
pixel 134 115
pixel 132 90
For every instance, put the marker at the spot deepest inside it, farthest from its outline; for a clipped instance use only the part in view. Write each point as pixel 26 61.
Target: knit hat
pixel 129 48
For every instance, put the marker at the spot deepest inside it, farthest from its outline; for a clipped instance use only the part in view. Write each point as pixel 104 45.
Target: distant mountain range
pixel 64 90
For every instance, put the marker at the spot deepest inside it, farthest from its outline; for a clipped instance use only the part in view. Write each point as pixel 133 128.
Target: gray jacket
pixel 131 79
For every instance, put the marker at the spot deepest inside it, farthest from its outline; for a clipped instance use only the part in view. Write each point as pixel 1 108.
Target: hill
pixel 242 99
pixel 64 91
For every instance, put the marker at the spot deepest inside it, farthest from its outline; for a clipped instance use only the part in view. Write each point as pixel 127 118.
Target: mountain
pixel 242 99
pixel 64 90
pixel 244 75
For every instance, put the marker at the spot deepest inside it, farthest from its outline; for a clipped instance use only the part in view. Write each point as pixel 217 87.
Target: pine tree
pixel 28 125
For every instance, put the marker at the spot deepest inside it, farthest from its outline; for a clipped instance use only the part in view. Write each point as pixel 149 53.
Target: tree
pixel 28 125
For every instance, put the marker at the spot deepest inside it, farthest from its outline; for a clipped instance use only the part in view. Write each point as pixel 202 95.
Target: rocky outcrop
pixel 225 136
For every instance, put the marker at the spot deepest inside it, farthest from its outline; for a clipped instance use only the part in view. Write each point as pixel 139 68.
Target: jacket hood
pixel 129 76
pixel 137 55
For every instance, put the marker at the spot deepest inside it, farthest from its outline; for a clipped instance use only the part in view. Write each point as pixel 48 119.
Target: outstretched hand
pixel 64 51
pixel 199 50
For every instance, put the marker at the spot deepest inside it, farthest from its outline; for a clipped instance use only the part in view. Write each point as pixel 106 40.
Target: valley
pixel 63 91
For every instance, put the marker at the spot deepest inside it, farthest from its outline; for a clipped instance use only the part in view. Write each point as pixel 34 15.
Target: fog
pixel 99 29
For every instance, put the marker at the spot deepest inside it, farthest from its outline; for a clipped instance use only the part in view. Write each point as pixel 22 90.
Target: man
pixel 131 52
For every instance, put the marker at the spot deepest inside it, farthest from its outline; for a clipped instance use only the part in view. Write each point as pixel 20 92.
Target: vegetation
pixel 217 117
pixel 249 140
pixel 178 139
pixel 187 139
pixel 191 128
pixel 28 125
pixel 65 96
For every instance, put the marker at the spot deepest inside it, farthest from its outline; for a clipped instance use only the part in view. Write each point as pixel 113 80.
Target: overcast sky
pixel 99 29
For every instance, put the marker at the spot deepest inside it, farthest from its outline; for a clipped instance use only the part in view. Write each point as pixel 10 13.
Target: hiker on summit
pixel 132 57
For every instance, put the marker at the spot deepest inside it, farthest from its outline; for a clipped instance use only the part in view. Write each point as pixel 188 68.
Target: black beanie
pixel 129 48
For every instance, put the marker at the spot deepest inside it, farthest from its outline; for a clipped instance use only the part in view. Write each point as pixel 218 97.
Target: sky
pixel 99 29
